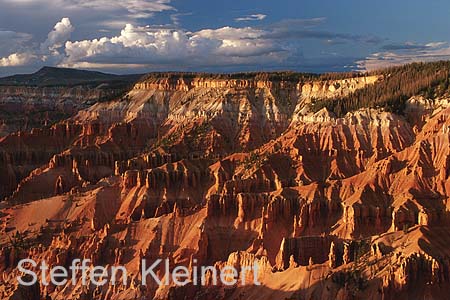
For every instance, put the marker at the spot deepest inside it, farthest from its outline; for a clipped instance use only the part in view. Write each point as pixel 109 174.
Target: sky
pixel 137 36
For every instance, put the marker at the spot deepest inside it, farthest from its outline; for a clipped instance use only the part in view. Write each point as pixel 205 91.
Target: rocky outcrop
pixel 303 250
pixel 24 108
pixel 22 152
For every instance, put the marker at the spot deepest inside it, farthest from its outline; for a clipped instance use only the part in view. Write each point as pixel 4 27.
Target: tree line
pixel 397 85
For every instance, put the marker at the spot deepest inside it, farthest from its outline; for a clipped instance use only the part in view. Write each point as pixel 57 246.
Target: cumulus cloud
pixel 255 17
pixel 167 46
pixel 399 54
pixel 104 40
pixel 171 47
pixel 59 35
pixel 45 52
pixel 16 59
pixel 147 46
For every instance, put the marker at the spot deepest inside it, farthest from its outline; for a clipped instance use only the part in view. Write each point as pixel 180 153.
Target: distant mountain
pixel 51 76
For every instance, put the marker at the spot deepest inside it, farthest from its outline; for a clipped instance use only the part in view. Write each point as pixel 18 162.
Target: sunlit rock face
pixel 232 172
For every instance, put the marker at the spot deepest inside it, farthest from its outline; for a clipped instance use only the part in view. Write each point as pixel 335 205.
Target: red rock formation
pixel 233 172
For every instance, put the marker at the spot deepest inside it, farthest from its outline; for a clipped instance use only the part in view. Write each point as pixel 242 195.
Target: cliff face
pixel 23 108
pixel 317 89
pixel 51 95
pixel 232 172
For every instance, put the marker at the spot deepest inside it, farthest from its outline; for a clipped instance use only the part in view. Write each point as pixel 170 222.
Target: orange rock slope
pixel 233 172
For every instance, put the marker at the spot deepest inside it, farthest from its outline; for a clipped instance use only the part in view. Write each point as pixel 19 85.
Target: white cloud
pixel 46 52
pixel 16 59
pixel 255 17
pixel 231 33
pixel 59 35
pixel 166 46
pixel 87 65
pixel 172 47
pixel 404 54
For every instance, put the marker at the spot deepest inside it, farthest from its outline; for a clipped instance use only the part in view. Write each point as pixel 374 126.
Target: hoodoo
pixel 328 187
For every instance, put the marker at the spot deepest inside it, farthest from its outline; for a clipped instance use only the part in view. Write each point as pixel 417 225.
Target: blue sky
pixel 134 36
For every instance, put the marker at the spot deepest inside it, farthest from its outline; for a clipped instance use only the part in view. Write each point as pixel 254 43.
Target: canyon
pixel 224 170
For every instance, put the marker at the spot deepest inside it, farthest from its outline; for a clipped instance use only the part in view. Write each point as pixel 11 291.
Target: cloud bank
pixel 399 54
pixel 154 47
pixel 170 47
pixel 157 47
pixel 113 35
